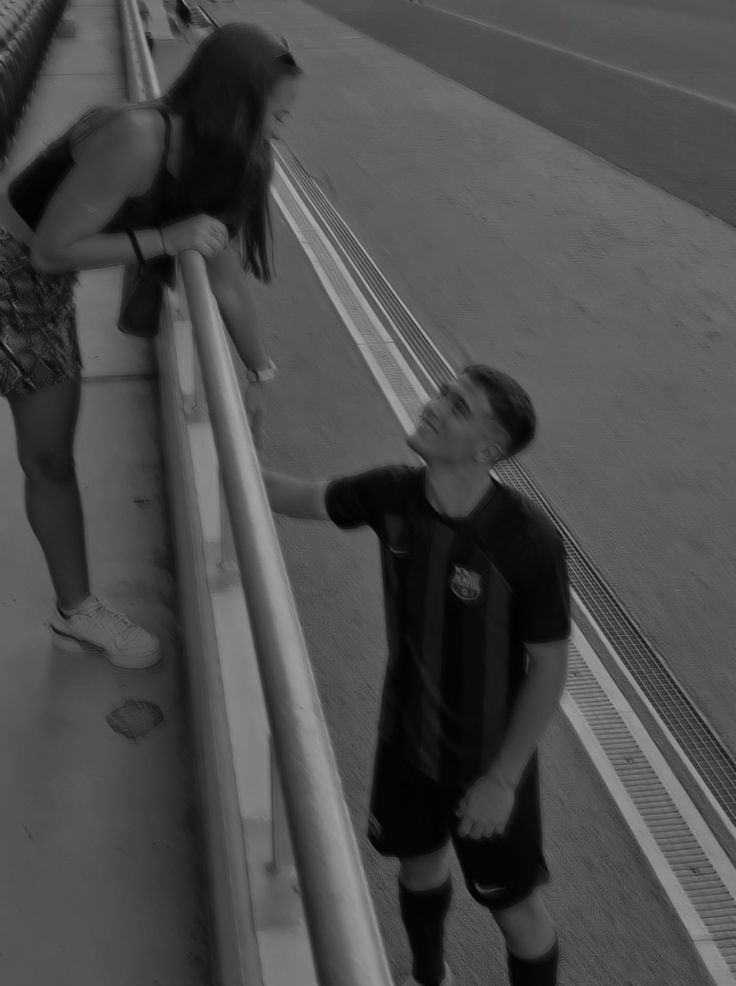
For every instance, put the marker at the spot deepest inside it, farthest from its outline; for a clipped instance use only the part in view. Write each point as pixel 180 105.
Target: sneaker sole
pixel 71 645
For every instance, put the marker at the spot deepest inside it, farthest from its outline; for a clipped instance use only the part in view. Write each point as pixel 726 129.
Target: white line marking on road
pixel 597 62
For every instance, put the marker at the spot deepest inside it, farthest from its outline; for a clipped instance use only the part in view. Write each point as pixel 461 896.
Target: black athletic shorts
pixel 412 815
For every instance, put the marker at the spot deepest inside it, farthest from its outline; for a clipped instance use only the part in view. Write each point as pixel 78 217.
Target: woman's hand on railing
pixel 202 233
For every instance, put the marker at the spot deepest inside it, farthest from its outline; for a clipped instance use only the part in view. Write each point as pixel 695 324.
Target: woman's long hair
pixel 227 164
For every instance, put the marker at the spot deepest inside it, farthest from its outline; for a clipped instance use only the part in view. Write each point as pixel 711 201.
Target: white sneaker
pixel 446 980
pixel 99 628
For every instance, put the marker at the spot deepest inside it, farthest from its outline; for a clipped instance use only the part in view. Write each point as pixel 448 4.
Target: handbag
pixel 143 294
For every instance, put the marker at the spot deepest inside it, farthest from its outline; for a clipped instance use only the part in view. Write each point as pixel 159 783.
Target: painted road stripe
pixel 597 62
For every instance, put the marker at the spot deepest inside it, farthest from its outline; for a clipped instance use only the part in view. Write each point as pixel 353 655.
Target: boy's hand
pixel 485 809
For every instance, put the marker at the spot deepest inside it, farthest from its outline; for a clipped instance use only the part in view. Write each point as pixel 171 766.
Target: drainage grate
pixel 697 738
pixel 709 896
pixel 192 15
pixel 203 19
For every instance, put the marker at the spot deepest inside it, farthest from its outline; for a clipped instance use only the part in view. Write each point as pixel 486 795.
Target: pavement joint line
pixel 677 811
pixel 588 59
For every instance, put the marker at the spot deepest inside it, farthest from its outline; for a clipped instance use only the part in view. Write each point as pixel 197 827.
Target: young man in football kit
pixel 478 619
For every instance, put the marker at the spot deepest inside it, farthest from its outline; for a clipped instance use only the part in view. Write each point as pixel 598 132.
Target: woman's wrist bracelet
pixel 136 246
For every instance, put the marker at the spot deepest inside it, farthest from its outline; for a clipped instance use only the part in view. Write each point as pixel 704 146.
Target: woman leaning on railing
pixel 138 183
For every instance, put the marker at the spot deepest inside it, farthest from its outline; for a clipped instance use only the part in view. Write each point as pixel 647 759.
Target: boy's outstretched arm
pixel 296 497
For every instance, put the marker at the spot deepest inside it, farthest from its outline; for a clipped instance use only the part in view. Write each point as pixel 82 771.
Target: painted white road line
pixel 588 59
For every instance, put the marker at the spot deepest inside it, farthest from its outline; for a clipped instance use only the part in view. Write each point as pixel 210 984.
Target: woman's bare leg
pixel 45 425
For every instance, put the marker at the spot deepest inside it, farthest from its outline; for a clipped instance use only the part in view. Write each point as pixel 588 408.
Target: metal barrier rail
pixel 346 942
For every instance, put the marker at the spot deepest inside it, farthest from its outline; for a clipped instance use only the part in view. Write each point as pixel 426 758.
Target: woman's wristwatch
pixel 261 376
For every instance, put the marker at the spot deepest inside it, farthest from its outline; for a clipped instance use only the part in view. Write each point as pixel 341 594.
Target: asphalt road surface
pixel 649 87
pixel 687 43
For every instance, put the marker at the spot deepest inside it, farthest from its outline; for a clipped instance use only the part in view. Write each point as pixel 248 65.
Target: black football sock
pixel 535 972
pixel 423 913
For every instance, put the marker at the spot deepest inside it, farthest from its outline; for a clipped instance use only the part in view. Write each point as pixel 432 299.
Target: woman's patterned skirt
pixel 38 330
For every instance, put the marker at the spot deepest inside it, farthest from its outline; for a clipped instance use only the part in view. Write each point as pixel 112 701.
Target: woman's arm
pixel 229 283
pixel 116 162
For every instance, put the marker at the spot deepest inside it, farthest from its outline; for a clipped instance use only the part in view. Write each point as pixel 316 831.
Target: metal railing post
pixel 228 558
pixel 282 855
pixel 200 394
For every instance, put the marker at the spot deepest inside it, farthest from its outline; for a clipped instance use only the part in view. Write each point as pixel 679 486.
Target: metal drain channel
pixel 683 851
pixel 687 859
pixel 707 753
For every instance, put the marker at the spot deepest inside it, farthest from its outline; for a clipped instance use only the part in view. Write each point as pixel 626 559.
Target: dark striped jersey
pixel 462 597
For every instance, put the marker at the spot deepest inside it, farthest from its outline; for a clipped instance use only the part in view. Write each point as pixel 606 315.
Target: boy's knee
pixel 529 911
pixel 527 926
pixel 425 872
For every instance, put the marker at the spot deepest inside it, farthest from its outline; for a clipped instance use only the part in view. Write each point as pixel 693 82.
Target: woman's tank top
pixel 32 190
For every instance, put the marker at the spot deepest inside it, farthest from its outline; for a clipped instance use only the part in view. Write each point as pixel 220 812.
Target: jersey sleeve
pixel 544 590
pixel 364 500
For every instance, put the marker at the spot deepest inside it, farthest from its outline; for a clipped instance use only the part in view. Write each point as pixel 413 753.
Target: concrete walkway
pixel 98 853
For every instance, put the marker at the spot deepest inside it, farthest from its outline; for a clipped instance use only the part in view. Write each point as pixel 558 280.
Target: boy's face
pixel 458 427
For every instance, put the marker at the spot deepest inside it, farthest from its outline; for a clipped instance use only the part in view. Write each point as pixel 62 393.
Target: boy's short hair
pixel 510 403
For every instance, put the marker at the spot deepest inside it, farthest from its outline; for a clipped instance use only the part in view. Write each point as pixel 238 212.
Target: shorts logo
pixel 490 890
pixel 466 584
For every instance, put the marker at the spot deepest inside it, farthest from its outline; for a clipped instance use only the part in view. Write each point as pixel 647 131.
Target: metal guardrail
pixel 346 942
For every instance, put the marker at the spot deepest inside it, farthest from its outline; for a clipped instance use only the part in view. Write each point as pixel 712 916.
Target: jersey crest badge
pixel 466 584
